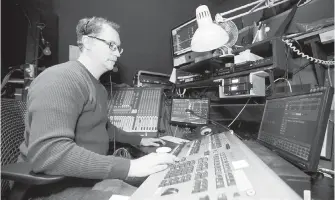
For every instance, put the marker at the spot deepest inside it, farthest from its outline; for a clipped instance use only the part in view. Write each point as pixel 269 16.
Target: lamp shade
pixel 208 36
pixel 173 77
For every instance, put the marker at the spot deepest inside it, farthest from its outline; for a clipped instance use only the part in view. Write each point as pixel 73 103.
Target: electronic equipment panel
pixel 151 79
pixel 199 111
pixel 136 110
pixel 202 145
pixel 294 126
pixel 224 173
pixel 242 86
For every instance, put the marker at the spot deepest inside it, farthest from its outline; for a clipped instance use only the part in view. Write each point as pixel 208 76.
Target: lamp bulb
pixel 47 51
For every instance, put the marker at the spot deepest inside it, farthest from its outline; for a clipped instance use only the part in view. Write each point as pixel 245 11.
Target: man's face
pixel 103 53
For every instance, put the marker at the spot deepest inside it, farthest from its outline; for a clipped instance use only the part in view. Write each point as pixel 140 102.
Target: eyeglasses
pixel 111 45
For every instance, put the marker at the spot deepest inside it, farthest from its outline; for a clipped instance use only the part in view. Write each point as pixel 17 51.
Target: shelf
pixel 206 65
pixel 195 67
pixel 16 80
pixel 198 84
pixel 302 36
pixel 210 82
pixel 257 46
pixel 230 105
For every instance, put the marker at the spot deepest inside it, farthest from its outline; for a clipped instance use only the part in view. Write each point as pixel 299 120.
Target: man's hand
pixel 150 164
pixel 151 142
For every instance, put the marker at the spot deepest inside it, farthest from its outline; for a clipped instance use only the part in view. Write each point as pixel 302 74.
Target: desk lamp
pixel 208 36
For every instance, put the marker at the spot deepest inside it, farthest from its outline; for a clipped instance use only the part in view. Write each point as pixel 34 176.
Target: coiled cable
pixel 298 52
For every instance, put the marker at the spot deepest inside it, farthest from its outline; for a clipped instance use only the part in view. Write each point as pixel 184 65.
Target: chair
pixel 12 135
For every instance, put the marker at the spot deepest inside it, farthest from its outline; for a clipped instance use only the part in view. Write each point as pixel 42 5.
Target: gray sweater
pixel 67 129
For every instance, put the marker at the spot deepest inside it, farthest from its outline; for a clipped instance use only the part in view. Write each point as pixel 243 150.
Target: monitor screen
pixel 187 111
pixel 294 126
pixel 182 36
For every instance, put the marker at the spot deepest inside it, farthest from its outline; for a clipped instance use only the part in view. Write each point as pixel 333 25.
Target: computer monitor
pixel 182 36
pixel 294 126
pixel 190 112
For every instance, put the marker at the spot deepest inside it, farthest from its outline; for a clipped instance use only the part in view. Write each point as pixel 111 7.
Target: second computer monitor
pixel 190 112
pixel 182 36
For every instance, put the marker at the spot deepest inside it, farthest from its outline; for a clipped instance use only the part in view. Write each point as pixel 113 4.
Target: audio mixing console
pixel 136 109
pixel 216 167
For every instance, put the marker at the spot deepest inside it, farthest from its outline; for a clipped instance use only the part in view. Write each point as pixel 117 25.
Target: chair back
pixel 12 134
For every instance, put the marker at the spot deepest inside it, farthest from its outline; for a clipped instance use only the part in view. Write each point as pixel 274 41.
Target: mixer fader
pixel 136 109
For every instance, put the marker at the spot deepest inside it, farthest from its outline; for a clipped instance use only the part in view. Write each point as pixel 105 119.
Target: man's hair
pixel 92 26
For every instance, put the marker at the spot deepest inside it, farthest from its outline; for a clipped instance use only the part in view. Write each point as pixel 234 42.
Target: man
pixel 67 115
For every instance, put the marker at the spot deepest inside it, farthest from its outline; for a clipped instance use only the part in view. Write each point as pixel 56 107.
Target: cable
pixel 25 14
pixel 111 93
pixel 175 130
pixel 110 107
pixel 298 52
pixel 327 171
pixel 286 73
pixel 181 94
pixel 239 113
pixel 31 34
pixel 6 78
pixel 301 68
pixel 122 152
pixel 288 82
pixel 36 59
pixel 301 87
pixel 214 122
pixel 306 2
pixel 329 77
pixel 167 114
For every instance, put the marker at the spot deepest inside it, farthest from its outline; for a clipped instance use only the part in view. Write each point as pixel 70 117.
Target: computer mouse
pixel 170 191
pixel 163 150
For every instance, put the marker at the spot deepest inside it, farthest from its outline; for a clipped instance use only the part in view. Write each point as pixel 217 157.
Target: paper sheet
pixel 174 139
pixel 240 164
pixel 119 197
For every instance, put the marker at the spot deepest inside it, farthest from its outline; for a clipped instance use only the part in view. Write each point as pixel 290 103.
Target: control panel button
pixel 251 192
pixel 222 197
pixel 204 198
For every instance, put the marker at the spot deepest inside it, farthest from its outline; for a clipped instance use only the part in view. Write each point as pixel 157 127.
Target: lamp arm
pixel 269 4
pixel 240 8
pixel 254 8
pixel 222 51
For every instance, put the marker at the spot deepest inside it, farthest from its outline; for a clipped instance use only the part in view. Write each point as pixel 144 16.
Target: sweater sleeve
pixel 122 136
pixel 54 105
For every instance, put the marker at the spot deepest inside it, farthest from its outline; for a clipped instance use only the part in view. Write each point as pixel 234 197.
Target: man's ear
pixel 87 42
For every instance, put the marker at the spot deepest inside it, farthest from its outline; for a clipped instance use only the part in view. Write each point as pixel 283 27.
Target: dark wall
pixel 20 35
pixel 145 27
pixel 13 35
